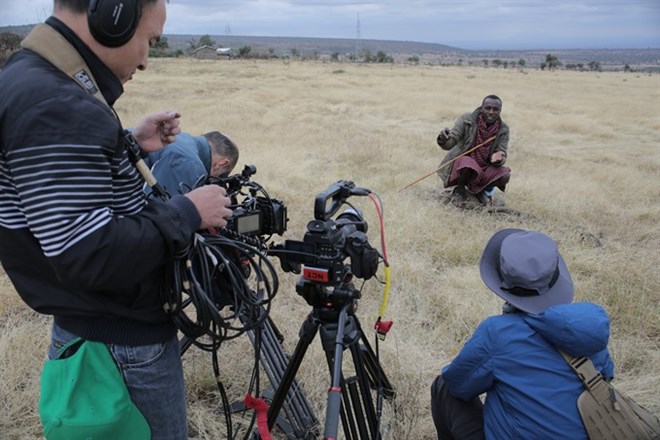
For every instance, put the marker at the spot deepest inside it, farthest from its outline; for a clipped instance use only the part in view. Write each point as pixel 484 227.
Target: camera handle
pixel 348 399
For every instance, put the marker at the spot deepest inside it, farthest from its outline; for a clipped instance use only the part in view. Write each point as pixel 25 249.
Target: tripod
pixel 299 421
pixel 348 399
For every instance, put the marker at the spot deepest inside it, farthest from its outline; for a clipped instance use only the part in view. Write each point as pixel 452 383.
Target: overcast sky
pixel 468 24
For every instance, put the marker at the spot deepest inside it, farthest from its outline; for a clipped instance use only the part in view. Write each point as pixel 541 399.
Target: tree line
pixel 10 43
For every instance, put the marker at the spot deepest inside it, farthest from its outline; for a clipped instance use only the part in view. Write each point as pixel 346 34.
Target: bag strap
pixel 54 48
pixel 591 378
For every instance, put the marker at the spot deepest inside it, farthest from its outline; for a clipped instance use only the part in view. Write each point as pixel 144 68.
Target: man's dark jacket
pixel 77 238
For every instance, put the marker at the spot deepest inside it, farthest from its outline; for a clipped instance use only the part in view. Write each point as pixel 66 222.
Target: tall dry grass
pixel 585 154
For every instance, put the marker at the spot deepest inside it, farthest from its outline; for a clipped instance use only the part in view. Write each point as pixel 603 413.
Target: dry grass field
pixel 585 155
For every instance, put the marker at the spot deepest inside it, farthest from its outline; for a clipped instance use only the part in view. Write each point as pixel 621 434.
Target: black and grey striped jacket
pixel 77 238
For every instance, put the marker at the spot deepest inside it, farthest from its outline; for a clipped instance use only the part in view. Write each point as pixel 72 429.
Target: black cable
pixel 222 280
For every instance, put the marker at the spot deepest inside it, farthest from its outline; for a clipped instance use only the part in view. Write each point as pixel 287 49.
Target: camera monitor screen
pixel 249 224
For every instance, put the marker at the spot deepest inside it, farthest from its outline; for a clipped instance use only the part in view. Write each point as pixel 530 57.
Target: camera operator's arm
pixel 212 204
pixel 157 130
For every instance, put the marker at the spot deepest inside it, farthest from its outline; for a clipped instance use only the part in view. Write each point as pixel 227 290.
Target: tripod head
pixel 321 295
pixel 326 278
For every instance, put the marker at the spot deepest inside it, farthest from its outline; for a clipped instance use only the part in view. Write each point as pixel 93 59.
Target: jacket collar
pixel 110 86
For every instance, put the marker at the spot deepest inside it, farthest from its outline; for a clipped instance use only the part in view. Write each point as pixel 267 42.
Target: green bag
pixel 83 396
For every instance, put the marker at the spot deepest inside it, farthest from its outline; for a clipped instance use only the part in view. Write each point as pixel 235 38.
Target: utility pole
pixel 357 37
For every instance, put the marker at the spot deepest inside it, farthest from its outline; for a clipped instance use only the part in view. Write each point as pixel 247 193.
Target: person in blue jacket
pixel 531 391
pixel 187 162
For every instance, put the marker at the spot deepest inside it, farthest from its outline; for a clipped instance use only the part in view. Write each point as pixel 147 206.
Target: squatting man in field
pixel 481 170
pixel 190 160
pixel 531 391
pixel 78 239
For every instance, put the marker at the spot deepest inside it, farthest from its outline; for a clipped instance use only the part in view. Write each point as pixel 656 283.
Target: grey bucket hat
pixel 525 269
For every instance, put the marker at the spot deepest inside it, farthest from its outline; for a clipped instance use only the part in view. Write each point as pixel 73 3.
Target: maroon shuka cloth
pixel 479 160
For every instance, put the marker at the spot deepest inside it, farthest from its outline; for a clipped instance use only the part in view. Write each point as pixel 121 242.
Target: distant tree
pixel 192 45
pixel 497 62
pixel 521 63
pixel 161 44
pixel 244 51
pixel 159 49
pixel 295 53
pixel 382 57
pixel 334 56
pixel 594 66
pixel 551 62
pixel 413 59
pixel 627 68
pixel 366 56
pixel 570 66
pixel 206 40
pixel 505 64
pixel 580 66
pixel 9 43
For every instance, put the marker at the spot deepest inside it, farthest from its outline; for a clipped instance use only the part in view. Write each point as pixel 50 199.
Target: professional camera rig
pixel 257 214
pixel 227 278
pixel 326 245
pixel 326 284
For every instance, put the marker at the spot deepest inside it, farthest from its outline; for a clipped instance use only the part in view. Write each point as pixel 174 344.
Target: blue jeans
pixel 154 378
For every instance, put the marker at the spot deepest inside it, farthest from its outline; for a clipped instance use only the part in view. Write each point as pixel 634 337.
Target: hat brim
pixel 560 293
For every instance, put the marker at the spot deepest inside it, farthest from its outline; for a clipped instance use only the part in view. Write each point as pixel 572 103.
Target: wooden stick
pixel 447 163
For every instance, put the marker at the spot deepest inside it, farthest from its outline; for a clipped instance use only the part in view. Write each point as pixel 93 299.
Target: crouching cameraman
pixel 190 160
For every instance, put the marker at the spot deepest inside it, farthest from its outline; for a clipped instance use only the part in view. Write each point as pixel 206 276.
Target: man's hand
pixel 212 204
pixel 157 130
pixel 497 157
pixel 445 135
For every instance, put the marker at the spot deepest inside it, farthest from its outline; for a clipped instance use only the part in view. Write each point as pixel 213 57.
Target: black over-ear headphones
pixel 113 22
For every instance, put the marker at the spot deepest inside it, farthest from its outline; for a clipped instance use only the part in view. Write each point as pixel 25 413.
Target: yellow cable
pixel 386 293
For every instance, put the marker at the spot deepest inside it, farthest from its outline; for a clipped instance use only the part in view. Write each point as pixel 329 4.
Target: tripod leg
pixel 346 411
pixel 333 407
pixel 376 374
pixel 361 384
pixel 308 330
pixel 299 417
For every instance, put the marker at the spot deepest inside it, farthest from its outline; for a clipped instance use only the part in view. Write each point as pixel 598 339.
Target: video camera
pixel 327 243
pixel 255 215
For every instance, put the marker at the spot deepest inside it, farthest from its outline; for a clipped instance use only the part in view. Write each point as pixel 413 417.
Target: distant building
pixel 224 52
pixel 204 53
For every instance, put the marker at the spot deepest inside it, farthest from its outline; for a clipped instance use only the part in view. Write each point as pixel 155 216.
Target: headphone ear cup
pixel 113 22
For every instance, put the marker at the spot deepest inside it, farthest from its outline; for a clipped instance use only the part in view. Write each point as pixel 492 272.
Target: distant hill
pixel 427 53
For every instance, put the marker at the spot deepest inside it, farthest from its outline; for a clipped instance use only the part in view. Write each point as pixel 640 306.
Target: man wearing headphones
pixel 79 240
